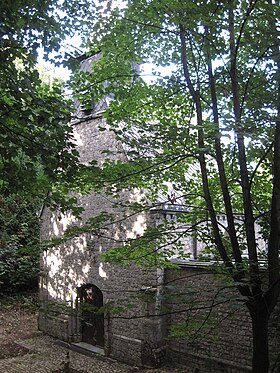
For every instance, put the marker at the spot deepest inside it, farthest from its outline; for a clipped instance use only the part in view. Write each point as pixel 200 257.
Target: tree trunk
pixel 260 361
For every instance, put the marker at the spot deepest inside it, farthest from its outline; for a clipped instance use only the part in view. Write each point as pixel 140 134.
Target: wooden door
pixel 92 320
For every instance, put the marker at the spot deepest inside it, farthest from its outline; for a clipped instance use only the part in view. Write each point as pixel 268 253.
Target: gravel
pixel 46 356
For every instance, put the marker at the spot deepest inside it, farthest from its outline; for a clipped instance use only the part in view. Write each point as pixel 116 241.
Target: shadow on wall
pixel 76 262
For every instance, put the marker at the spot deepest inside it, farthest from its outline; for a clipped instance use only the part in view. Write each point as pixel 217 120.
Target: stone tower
pixel 126 312
pixel 79 293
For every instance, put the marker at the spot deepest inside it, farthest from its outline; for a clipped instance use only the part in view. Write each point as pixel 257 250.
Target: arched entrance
pixel 92 319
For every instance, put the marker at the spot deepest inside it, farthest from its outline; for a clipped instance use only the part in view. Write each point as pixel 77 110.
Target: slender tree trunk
pixel 207 195
pixel 274 239
pixel 260 360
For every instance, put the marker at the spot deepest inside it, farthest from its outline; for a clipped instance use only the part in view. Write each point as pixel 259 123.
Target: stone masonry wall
pixel 211 322
pixel 77 262
pixel 134 331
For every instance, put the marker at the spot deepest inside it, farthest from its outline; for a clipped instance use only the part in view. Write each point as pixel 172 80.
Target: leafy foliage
pixel 209 124
pixel 156 119
pixel 19 241
pixel 37 150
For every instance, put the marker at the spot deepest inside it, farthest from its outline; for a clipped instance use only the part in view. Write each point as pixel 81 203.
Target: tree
pixel 37 148
pixel 37 152
pixel 217 106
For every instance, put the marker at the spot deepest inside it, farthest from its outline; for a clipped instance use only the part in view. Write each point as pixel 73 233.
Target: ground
pixel 25 350
pixel 17 322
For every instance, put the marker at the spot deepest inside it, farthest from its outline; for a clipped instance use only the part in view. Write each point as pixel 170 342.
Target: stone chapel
pixel 129 313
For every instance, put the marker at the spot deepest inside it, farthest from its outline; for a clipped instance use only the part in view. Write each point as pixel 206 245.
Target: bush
pixel 19 243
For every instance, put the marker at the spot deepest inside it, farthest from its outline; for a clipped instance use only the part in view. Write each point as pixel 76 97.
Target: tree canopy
pixel 207 121
pixel 36 140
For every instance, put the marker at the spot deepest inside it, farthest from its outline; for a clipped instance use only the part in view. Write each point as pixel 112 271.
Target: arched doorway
pixel 92 319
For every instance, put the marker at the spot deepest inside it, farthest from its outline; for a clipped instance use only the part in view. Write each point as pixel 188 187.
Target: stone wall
pixel 150 303
pixel 77 262
pixel 213 322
